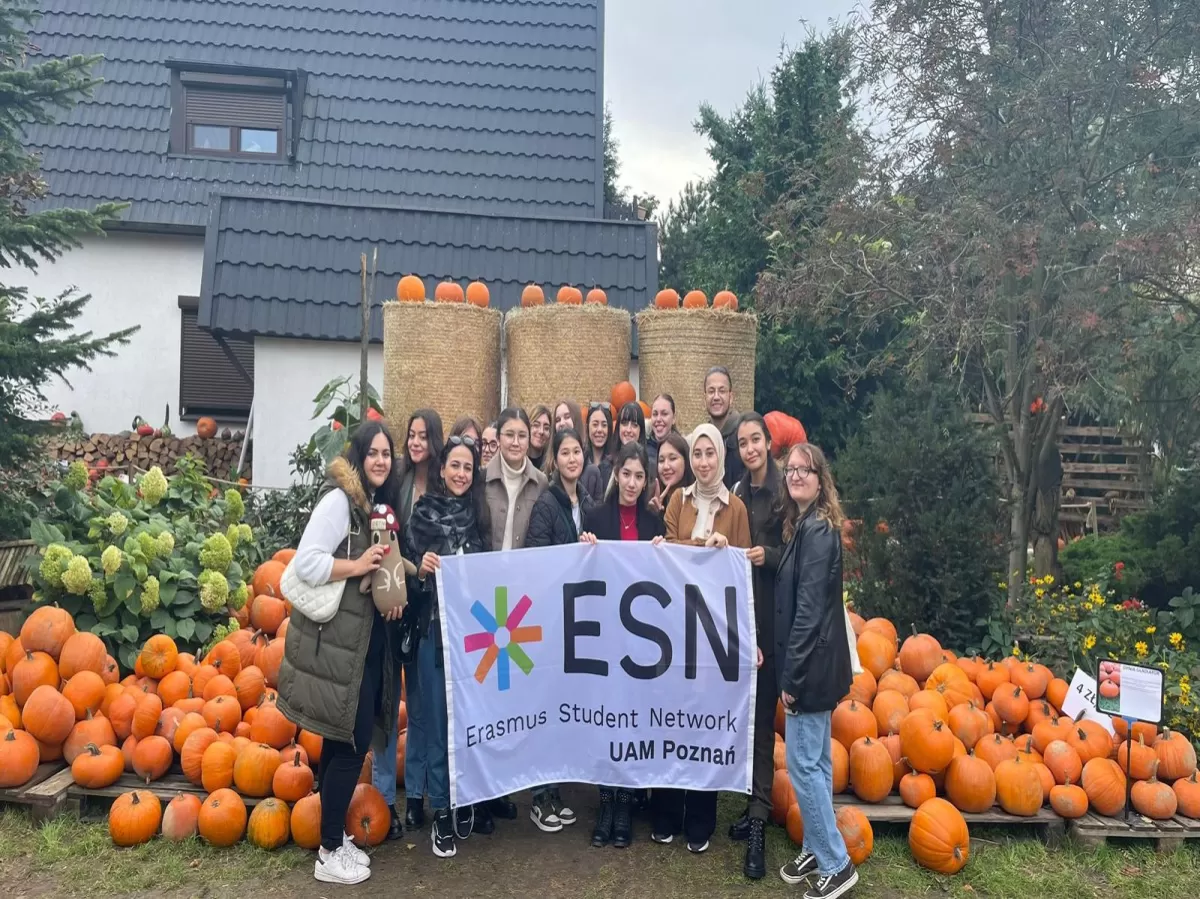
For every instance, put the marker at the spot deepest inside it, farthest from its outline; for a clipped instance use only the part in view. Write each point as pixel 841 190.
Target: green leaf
pixel 140 571
pixel 204 630
pixel 124 585
pixel 160 618
pixel 186 628
pixel 170 629
pixel 129 633
pixel 129 656
pixel 86 622
pixel 167 593
pixel 44 534
pixel 133 602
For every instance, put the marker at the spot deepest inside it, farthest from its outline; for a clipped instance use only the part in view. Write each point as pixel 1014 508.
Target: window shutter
pixel 248 110
pixel 209 383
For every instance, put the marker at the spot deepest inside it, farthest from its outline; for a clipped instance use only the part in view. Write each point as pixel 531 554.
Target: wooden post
pixel 365 338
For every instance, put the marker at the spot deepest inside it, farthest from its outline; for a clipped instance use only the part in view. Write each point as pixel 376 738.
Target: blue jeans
pixel 810 769
pixel 383 770
pixel 434 755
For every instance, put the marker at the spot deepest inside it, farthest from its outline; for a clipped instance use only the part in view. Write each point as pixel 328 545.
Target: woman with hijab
pixel 540 432
pixel 704 514
pixel 600 440
pixel 450 519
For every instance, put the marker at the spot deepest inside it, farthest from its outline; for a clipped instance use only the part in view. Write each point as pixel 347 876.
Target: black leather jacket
pixel 812 655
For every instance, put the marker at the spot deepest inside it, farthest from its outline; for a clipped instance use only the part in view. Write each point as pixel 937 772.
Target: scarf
pixel 711 499
pixel 443 525
pixel 513 479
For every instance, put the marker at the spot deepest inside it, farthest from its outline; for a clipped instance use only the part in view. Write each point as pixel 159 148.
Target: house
pixel 262 145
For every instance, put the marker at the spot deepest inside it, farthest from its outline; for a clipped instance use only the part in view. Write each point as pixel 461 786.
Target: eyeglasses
pixel 514 436
pixel 717 391
pixel 492 445
pixel 798 473
pixel 462 440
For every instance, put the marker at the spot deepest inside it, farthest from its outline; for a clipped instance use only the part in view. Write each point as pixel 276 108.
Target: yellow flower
pixel 1176 639
pixel 1040 592
pixel 1016 650
pixel 1141 649
pixel 1151 629
pixel 1078 586
pixel 1002 585
pixel 1049 579
pixel 1088 642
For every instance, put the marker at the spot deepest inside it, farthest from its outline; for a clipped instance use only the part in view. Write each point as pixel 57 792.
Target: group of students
pixel 556 477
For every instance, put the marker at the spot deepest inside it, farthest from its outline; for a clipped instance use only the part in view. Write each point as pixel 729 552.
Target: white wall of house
pixel 134 279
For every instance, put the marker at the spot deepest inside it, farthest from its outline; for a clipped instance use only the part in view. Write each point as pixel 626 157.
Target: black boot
pixel 756 850
pixel 603 831
pixel 622 830
pixel 484 823
pixel 503 807
pixel 740 829
pixel 414 813
pixel 396 827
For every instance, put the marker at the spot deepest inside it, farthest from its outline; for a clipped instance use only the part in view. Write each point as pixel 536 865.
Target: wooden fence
pixel 1106 475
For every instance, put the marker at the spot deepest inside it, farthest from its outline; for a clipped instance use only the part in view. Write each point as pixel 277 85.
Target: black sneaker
pixel 602 834
pixel 484 822
pixel 697 846
pixel 740 829
pixel 414 813
pixel 565 813
pixel 622 829
pixel 442 834
pixel 503 807
pixel 542 813
pixel 755 866
pixel 396 827
pixel 830 886
pixel 464 821
pixel 662 838
pixel 800 868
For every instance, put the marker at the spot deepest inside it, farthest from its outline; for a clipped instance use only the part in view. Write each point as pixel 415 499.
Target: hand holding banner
pixel 622 664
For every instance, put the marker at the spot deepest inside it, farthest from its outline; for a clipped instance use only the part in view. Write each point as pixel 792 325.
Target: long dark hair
pixel 606 450
pixel 631 413
pixel 679 443
pixel 552 452
pixel 757 419
pixel 437 484
pixel 828 506
pixel 434 436
pixel 356 455
pixel 624 454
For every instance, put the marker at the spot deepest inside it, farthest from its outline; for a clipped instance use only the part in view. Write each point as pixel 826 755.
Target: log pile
pixel 121 452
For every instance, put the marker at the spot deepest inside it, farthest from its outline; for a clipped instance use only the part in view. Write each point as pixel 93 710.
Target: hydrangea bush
pixel 164 555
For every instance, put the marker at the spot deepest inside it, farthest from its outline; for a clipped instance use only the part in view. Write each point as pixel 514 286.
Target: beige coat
pixel 732 521
pixel 497 500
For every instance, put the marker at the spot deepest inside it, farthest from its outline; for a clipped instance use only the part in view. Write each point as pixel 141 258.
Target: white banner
pixel 621 664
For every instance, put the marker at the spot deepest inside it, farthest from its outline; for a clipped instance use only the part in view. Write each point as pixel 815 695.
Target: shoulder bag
pixel 316 603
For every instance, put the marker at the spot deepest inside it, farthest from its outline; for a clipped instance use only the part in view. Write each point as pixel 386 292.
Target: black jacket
pixel 550 522
pixel 734 468
pixel 812 656
pixel 604 520
pixel 766 530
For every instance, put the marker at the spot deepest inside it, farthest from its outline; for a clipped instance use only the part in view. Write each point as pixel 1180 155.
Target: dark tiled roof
pixel 290 268
pixel 477 105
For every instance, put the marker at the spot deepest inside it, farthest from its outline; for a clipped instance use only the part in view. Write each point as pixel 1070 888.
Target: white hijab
pixel 709 500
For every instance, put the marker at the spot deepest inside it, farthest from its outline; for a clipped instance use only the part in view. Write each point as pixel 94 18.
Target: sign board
pixel 1130 691
pixel 1081 697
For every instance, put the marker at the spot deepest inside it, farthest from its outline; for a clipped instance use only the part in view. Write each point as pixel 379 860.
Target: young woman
pixel 704 514
pixel 674 470
pixel 422 448
pixel 336 678
pixel 621 516
pixel 540 431
pixel 557 520
pixel 812 662
pixel 467 426
pixel 759 491
pixel 489 446
pixel 452 518
pixel 662 423
pixel 568 415
pixel 599 436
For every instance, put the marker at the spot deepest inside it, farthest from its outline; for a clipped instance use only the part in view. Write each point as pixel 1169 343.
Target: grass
pixel 67 857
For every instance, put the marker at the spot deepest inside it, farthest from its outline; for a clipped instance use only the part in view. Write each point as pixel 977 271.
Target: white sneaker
pixel 339 867
pixel 355 853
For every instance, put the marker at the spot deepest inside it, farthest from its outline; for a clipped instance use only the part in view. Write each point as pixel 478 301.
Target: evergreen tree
pixel 37 336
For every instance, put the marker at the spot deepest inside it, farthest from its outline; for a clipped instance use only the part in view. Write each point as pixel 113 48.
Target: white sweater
pixel 324 535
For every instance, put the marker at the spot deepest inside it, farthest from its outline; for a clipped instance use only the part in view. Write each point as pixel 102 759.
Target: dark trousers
pixel 766 697
pixel 695 809
pixel 341 763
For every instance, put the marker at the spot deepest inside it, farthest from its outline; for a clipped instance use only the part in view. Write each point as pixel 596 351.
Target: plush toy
pixel 388 586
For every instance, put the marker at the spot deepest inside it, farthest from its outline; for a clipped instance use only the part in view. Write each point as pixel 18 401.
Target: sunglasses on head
pixel 459 440
pixel 592 407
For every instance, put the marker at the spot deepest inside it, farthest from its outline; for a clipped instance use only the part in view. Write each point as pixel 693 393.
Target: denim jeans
pixel 384 772
pixel 810 769
pixel 434 751
pixel 383 769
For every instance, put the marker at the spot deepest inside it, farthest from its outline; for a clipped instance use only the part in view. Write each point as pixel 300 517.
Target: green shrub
pixel 279 516
pixel 129 561
pixel 930 544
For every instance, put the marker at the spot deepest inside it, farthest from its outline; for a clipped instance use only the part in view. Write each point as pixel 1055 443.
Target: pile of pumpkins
pixel 61 698
pixel 953 735
pixel 411 289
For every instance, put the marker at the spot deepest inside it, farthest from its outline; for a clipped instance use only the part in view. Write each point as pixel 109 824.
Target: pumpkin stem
pixel 92 749
pixel 135 799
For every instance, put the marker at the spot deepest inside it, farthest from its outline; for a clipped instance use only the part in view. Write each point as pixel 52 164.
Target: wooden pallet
pixel 46 793
pixel 1050 827
pixel 166 788
pixel 1094 830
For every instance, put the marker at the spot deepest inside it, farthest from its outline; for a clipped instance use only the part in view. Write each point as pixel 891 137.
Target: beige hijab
pixel 711 499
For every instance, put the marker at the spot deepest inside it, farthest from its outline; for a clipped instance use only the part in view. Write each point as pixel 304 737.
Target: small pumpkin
pixel 794 825
pixel 47 630
pixel 254 770
pixel 98 766
pixel 306 822
pixel 1137 759
pixel 890 709
pixel 1091 741
pixel 920 654
pixel 368 818
pixel 152 758
pixel 1046 732
pixel 938 837
pixel 206 428
pixel 970 783
pixel 222 714
pixel 533 295
pixel 292 782
pixel 1018 787
pixel 216 766
pixel 92 729
pixel 916 787
pixel 695 299
pixel 191 757
pixel 1176 755
pixel 596 297
pixel 222 818
pixel 969 723
pixel 271 727
pixel 667 298
pixel 871 769
pixel 841 766
pixel 863 688
pixel 134 818
pixel 159 656
pixel 448 292
pixel 48 715
pixel 570 296
pixel 1153 798
pixel 990 678
pixel 927 742
pixel 180 819
pixel 995 749
pixel 1187 794
pixel 19 758
pixel 270 824
pixel 725 299
pixel 145 715
pixel 876 653
pixel 1063 761
pixel 856 833
pixel 478 294
pixel 266 579
pixel 312 744
pixel 1012 705
pixel 897 680
pixel 1069 800
pixel 410 289
pixel 1104 782
pixel 82 651
pixel 85 692
pixel 36 669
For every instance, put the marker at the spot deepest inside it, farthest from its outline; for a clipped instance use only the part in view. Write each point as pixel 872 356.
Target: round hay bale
pixel 677 347
pixel 441 356
pixel 556 352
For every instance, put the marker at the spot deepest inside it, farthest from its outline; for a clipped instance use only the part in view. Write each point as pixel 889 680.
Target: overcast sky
pixel 663 58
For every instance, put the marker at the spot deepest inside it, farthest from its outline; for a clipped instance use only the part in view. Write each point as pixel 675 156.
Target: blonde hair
pixel 828 506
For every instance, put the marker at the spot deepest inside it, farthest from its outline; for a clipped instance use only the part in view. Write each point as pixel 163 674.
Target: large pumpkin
pixel 725 299
pixel 919 656
pixel 875 651
pixel 938 837
pixel 180 818
pixel 667 298
pixel 368 818
pixel 267 613
pixel 927 743
pixel 292 782
pixel 1176 755
pixel 695 299
pixel 1068 800
pixel 1019 787
pixel 851 721
pixel 871 771
pixel 1104 784
pixel 36 669
pixel 533 295
pixel 47 630
pixel 134 817
pixel 82 651
pixel 1154 799
pixel 621 394
pixel 478 294
pixel 266 579
pixel 85 692
pixel 1187 794
pixel 1063 761
pixel 856 833
pixel 206 428
pixel 18 758
pixel 254 770
pixel 306 822
pixel 970 783
pixel 410 289
pixel 222 818
pixel 448 292
pixel 270 824
pixel 159 656
pixel 890 709
pixel 48 715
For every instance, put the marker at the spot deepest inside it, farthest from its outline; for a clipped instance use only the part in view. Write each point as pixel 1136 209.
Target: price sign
pixel 1131 691
pixel 1081 697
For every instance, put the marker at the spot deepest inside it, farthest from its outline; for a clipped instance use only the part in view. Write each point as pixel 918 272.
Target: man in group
pixel 718 399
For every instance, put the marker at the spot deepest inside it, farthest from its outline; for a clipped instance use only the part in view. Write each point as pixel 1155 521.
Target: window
pixel 209 381
pixel 231 115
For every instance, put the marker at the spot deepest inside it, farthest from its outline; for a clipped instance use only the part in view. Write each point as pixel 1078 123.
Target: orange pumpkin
pixel 222 818
pixel 995 749
pixel 1063 761
pixel 919 656
pixel 270 825
pixel 927 742
pixel 1137 759
pixel 97 766
pixel 1069 800
pixel 1104 782
pixel 533 295
pixel 134 818
pixel 852 721
pixel 724 299
pixel 782 797
pixel 448 292
pixel 990 678
pixel 94 729
pixel 968 723
pixel 1018 787
pixel 856 833
pixel 875 651
pixel 36 669
pixel 570 296
pixel 1187 794
pixel 181 816
pixel 916 787
pixel 306 822
pixel 695 299
pixel 152 757
pixel 82 651
pixel 596 297
pixel 48 715
pixel 19 758
pixel 292 782
pixel 266 579
pixel 410 289
pixel 1012 705
pixel 890 708
pixel 1154 799
pixel 478 294
pixel 871 770
pixel 368 818
pixel 1176 755
pixel 85 692
pixel 666 299
pixel 862 688
pixel 159 656
pixel 267 613
pixel 970 783
pixel 254 770
pixel 938 837
pixel 206 428
pixel 794 825
pixel 47 630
